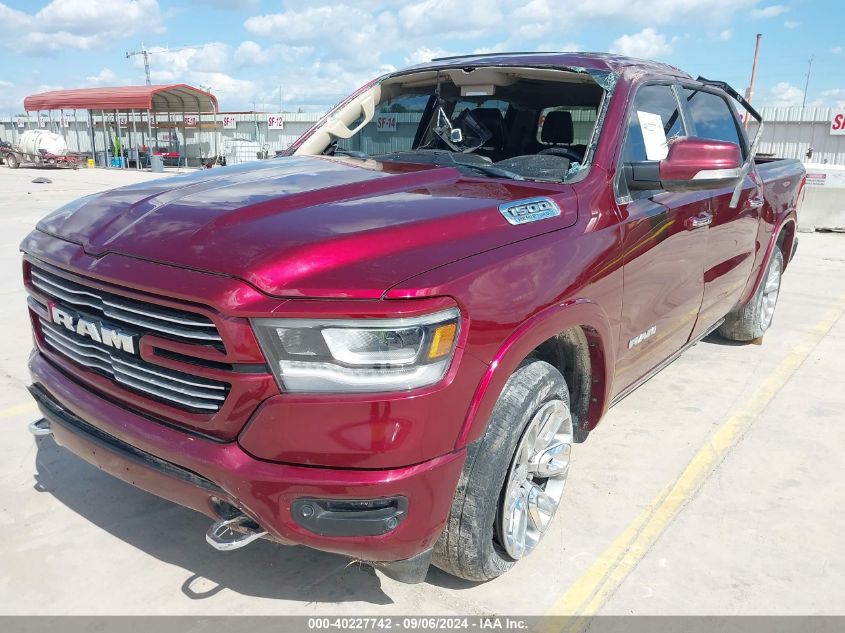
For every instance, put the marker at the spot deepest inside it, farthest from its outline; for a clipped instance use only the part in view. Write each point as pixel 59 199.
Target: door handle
pixel 699 221
pixel 755 203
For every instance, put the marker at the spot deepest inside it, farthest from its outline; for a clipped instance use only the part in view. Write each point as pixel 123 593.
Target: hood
pixel 308 226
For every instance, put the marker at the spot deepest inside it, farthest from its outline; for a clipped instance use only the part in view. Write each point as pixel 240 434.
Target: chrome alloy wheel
pixel 770 294
pixel 536 479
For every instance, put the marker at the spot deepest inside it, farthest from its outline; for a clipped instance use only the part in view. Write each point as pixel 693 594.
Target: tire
pixel 12 161
pixel 752 320
pixel 476 543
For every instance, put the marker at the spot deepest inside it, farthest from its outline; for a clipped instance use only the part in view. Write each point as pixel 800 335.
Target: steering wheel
pixel 561 151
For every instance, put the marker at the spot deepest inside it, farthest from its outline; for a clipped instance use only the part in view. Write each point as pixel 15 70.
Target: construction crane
pixel 146 53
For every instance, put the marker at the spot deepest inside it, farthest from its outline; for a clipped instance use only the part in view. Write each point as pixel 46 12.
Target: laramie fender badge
pixel 530 210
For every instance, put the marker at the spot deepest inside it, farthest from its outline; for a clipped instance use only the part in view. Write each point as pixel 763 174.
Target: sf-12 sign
pixel 275 122
pixel 191 120
pixel 386 123
pixel 837 123
pixel 230 123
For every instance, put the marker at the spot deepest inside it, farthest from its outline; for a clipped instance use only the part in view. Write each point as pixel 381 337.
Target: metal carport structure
pixel 134 101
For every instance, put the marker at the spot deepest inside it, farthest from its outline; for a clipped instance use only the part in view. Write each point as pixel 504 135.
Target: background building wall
pixel 787 133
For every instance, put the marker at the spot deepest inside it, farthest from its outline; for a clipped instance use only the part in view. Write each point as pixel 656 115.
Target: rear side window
pixel 651 102
pixel 711 117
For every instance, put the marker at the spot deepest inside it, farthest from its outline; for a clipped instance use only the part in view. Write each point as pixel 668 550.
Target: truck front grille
pixel 185 326
pixel 183 390
pixel 175 388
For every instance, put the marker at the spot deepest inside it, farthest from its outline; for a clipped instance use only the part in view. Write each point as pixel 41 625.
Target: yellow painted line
pixel 586 596
pixel 19 409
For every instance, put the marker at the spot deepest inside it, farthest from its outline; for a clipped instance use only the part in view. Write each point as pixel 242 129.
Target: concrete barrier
pixel 824 198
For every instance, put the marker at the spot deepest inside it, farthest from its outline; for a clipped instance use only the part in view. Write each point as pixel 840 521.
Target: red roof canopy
pixel 174 98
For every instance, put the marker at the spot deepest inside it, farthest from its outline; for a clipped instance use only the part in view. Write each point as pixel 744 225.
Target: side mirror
pixel 692 164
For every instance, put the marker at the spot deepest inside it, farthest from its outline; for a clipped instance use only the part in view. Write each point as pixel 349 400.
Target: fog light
pixel 350 517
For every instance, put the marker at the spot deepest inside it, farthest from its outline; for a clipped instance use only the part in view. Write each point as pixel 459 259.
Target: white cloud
pixel 721 36
pixel 227 88
pixel 77 24
pixel 320 50
pixel 425 54
pixel 785 94
pixel 230 5
pixel 550 17
pixel 168 64
pixel 251 53
pixel 12 95
pixel 439 17
pixel 356 37
pixel 837 50
pixel 359 36
pixel 772 11
pixel 647 44
pixel 105 76
pixel 791 24
pixel 834 97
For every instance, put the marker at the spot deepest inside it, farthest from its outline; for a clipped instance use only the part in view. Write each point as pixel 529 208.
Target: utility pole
pixel 749 92
pixel 807 82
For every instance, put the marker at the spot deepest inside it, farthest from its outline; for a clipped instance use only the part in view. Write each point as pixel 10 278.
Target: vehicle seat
pixel 558 131
pixel 492 119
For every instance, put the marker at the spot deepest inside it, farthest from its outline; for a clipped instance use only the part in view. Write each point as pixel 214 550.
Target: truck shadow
pixel 715 339
pixel 176 536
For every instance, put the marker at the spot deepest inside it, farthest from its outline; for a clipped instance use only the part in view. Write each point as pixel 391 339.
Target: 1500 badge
pixel 529 210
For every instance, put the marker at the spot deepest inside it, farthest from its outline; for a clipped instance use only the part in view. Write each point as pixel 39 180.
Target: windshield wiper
pixel 491 170
pixel 444 158
pixel 350 152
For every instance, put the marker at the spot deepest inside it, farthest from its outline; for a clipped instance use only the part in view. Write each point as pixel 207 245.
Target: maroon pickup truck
pixel 385 343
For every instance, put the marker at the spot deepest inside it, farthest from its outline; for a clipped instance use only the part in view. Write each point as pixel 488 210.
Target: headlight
pixel 336 355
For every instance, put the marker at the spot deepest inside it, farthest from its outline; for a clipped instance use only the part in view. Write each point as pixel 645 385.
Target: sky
pixel 292 54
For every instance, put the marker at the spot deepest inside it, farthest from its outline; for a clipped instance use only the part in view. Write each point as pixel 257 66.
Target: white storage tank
pixel 36 141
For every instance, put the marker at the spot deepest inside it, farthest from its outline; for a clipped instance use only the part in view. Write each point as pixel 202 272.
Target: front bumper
pixel 202 473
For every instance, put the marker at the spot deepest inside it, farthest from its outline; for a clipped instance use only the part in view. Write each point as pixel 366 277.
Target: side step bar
pixel 233 533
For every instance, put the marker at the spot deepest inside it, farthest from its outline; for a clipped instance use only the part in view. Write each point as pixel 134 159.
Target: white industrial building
pixel 787 133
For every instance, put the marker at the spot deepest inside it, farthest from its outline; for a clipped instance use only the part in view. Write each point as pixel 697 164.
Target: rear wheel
pixel 513 479
pixel 753 319
pixel 12 161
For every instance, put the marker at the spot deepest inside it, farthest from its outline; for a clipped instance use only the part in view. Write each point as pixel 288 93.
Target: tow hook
pixel 40 428
pixel 233 533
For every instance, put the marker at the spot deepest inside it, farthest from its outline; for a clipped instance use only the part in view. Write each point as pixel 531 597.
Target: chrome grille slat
pixel 50 289
pixel 161 328
pixel 80 357
pixel 122 372
pixel 181 380
pixel 186 402
pixel 52 282
pixel 177 388
pixel 181 321
pixel 156 320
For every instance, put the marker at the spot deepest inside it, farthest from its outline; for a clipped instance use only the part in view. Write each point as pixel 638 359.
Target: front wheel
pixel 513 479
pixel 752 320
pixel 12 161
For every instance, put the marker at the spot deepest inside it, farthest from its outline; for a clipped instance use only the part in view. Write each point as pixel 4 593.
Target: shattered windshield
pixel 529 129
